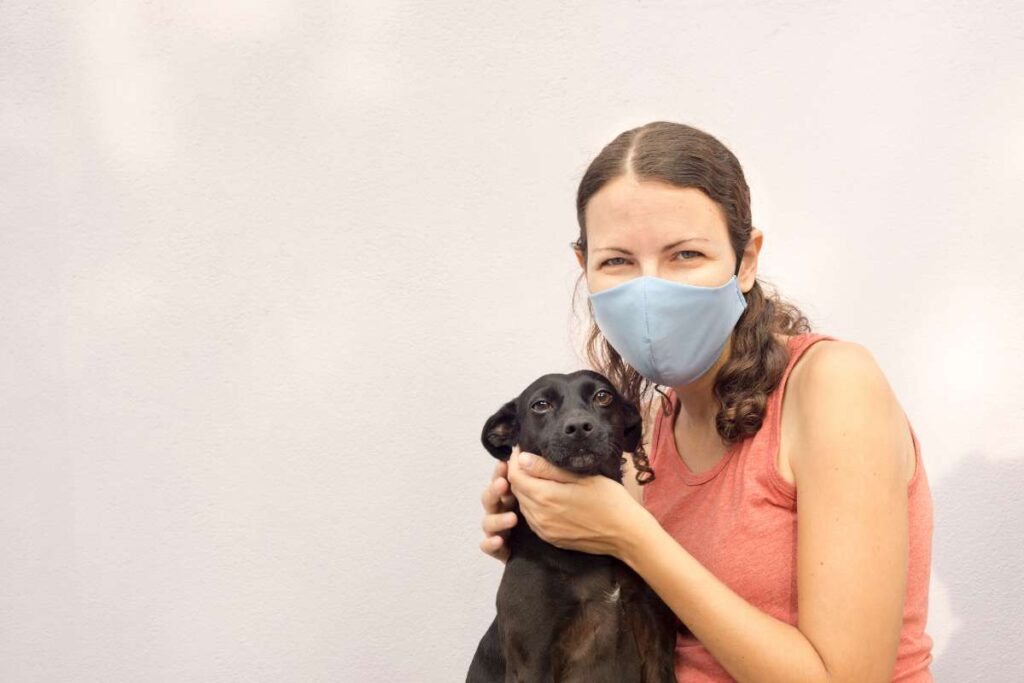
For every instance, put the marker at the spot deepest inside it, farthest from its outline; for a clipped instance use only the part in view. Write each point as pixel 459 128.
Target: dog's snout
pixel 578 427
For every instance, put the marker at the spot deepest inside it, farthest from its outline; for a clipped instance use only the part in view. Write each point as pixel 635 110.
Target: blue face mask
pixel 669 332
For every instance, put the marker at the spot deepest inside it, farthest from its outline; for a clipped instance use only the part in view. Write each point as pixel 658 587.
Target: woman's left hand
pixel 571 511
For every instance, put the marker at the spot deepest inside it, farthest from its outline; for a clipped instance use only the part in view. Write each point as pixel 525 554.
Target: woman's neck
pixel 698 404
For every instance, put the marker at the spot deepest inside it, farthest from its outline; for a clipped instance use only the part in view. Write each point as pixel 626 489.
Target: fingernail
pixel 525 459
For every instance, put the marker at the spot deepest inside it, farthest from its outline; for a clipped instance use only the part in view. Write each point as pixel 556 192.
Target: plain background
pixel 266 267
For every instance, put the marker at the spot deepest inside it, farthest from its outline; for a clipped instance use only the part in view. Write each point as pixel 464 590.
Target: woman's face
pixel 644 227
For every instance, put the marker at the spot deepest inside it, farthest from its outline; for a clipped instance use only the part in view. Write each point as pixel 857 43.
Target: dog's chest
pixel 594 633
pixel 607 585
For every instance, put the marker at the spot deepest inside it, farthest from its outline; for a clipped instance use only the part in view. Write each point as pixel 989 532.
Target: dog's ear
pixel 501 431
pixel 633 425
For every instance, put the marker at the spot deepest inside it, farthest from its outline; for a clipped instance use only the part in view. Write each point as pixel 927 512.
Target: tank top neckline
pixel 665 427
pixel 671 452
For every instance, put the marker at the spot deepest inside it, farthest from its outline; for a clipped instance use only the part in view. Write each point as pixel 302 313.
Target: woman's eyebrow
pixel 666 248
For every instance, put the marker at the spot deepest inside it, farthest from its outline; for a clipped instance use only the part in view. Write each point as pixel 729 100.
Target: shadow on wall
pixel 978 553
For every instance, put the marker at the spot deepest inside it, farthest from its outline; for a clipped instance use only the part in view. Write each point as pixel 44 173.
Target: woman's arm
pixel 852 542
pixel 748 643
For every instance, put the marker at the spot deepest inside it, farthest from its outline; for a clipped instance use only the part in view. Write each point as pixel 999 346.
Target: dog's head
pixel 578 422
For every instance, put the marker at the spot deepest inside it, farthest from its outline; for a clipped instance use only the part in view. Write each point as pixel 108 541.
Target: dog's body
pixel 571 616
pixel 565 615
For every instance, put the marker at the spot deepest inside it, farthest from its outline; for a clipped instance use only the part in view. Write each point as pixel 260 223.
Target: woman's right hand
pixel 498 500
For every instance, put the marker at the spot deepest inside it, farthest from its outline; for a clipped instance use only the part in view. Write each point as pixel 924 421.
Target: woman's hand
pixel 591 514
pixel 498 518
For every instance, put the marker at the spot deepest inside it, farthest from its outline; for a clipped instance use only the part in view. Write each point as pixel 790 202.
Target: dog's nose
pixel 578 427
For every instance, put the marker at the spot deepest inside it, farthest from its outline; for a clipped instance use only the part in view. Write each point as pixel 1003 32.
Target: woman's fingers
pixel 503 490
pixel 496 530
pixel 495 524
pixel 497 500
pixel 497 496
pixel 491 497
pixel 495 547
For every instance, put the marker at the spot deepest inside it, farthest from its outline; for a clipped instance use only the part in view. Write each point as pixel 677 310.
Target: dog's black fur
pixel 565 615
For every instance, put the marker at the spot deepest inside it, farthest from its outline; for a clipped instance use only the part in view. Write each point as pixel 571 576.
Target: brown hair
pixel 687 157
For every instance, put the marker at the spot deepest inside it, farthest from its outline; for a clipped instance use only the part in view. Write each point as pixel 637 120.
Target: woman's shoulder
pixel 833 372
pixel 823 357
pixel 827 359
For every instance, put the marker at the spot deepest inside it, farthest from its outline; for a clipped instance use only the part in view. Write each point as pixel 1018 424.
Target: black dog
pixel 565 615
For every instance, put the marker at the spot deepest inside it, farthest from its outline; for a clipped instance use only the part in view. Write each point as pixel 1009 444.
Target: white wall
pixel 266 267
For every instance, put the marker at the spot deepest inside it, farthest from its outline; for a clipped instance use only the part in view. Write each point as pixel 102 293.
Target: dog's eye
pixel 540 406
pixel 603 397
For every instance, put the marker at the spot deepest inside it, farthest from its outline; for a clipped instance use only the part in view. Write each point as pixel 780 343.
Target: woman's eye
pixel 608 262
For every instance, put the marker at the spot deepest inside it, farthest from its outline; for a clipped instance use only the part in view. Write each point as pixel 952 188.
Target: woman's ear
pixel 579 248
pixel 501 431
pixel 748 267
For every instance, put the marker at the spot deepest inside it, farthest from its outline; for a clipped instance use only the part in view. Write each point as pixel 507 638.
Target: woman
pixel 833 589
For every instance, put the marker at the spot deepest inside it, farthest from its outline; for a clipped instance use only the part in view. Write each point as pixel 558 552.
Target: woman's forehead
pixel 651 214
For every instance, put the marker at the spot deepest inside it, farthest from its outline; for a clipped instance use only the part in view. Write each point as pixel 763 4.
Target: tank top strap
pixel 797 345
pixel 771 440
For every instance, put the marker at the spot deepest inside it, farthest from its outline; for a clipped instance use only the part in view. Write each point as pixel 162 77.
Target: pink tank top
pixel 739 519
